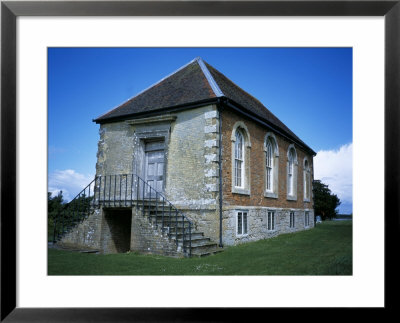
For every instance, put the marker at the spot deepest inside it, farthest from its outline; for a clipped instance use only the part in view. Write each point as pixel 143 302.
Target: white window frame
pixel 271 220
pixel 269 166
pixel 306 219
pixel 240 223
pixel 291 173
pixel 271 151
pixel 239 159
pixel 292 219
pixel 306 180
pixel 244 188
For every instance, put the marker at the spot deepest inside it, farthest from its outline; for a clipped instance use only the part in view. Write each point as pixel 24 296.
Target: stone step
pixel 199 242
pixel 172 224
pixel 198 252
pixel 166 218
pixel 193 235
pixel 203 248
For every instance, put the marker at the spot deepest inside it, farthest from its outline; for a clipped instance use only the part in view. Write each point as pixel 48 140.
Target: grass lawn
pixel 324 250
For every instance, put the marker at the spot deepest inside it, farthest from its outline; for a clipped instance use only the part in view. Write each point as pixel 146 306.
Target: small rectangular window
pixel 307 219
pixel 241 223
pixel 271 221
pixel 291 220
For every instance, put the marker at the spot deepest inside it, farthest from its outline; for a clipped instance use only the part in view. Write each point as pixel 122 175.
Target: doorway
pixel 154 165
pixel 118 229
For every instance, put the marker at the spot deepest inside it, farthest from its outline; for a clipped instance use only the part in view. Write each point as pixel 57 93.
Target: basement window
pixel 241 223
pixel 307 219
pixel 271 221
pixel 291 220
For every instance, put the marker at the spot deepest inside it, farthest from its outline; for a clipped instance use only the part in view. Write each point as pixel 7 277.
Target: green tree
pixel 325 203
pixel 54 204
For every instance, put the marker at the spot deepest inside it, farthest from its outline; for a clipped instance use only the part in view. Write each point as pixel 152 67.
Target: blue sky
pixel 309 89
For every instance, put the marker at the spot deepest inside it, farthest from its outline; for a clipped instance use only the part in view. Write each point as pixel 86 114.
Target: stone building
pixel 191 164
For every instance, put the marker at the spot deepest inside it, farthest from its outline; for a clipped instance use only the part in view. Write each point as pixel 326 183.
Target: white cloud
pixel 335 168
pixel 69 182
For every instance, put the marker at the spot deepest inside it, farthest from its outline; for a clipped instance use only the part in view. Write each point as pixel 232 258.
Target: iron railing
pixel 125 190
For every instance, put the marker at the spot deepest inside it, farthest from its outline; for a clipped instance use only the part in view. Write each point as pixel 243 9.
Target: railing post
pixel 169 218
pixel 162 217
pixel 183 236
pixel 88 200
pixel 149 201
pixel 115 186
pixel 109 190
pixel 131 189
pixel 126 187
pixel 156 206
pixel 190 239
pixel 104 191
pixel 176 226
pixel 137 192
pixel 99 190
pixel 143 211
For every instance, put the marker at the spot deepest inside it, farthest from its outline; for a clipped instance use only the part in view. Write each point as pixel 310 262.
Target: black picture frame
pixel 10 10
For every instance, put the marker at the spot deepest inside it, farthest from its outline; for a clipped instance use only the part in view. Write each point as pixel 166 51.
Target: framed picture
pixel 11 179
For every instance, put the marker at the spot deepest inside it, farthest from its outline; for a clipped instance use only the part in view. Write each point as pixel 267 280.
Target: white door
pixel 154 166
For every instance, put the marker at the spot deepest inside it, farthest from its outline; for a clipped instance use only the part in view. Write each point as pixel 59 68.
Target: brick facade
pixel 257 167
pixel 255 202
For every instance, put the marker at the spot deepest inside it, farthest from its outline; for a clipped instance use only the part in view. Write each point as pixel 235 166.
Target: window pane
pixel 245 223
pixel 273 221
pixel 239 221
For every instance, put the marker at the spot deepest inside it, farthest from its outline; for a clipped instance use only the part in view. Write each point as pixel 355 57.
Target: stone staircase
pixel 128 191
pixel 176 227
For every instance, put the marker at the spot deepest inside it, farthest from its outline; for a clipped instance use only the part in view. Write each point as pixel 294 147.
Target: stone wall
pixel 87 234
pixel 257 223
pixel 193 177
pixel 115 149
pixel 148 238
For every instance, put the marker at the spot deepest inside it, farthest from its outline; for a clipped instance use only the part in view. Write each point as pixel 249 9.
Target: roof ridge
pixel 210 79
pixel 148 88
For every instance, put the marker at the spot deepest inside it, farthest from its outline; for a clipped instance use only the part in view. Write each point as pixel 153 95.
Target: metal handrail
pixel 120 193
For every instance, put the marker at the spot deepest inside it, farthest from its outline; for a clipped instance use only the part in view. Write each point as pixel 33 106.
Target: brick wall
pixel 253 199
pixel 257 164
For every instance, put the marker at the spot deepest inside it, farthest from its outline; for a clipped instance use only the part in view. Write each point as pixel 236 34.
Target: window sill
pixel 242 235
pixel 306 200
pixel 291 198
pixel 242 191
pixel 271 195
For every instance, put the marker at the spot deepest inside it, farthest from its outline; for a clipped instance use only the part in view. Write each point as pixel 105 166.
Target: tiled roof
pixel 194 82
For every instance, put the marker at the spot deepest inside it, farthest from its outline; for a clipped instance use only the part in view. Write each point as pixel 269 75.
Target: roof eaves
pixel 175 108
pixel 211 81
pixel 148 88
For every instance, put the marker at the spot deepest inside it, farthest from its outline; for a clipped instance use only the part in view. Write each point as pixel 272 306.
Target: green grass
pixel 324 250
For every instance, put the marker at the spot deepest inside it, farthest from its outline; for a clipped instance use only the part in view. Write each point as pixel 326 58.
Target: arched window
pixel 269 166
pixel 292 173
pixel 271 151
pixel 307 180
pixel 239 160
